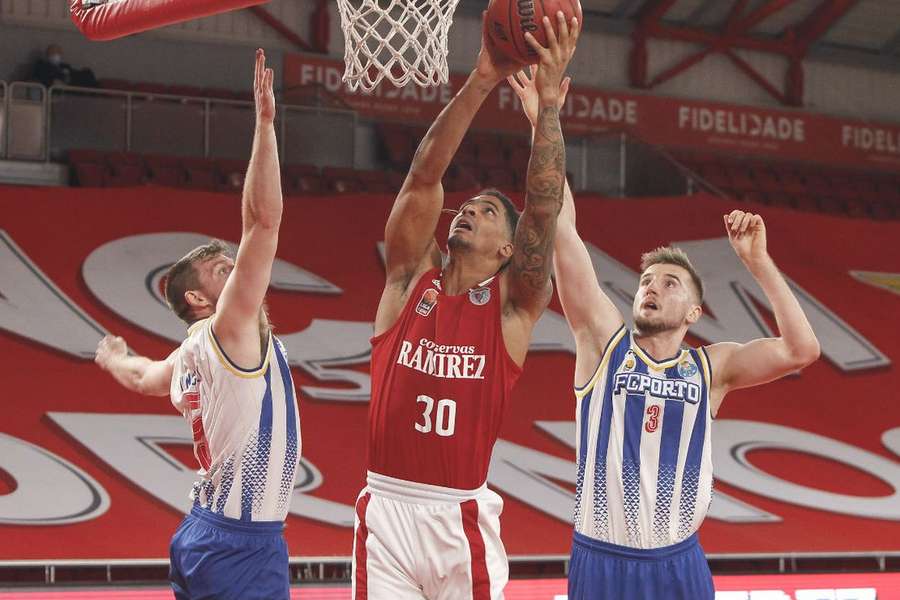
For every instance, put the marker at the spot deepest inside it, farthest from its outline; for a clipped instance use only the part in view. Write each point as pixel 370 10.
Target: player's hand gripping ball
pixel 508 20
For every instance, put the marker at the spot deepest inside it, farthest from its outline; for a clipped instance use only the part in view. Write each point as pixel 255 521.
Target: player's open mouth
pixel 651 305
pixel 463 224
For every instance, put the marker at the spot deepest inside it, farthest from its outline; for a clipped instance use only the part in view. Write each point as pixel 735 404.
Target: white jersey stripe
pixel 644 459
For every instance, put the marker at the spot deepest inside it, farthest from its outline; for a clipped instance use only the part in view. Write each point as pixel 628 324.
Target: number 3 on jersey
pixel 444 418
pixel 653 421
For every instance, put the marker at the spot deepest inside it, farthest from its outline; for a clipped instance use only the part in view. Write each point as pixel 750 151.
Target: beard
pixel 653 326
pixel 457 244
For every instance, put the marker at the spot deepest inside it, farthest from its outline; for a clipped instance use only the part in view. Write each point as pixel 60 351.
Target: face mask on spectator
pixel 56 59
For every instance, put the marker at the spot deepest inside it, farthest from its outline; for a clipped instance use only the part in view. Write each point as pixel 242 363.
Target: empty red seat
pixel 88 168
pixel 231 174
pixel 200 173
pixel 341 180
pixel 90 174
pixel 164 170
pixel 125 169
pixel 299 180
pixel 501 178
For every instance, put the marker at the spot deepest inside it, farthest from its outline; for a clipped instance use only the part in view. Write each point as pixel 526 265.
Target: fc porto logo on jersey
pixel 629 363
pixel 480 296
pixel 427 302
pixel 687 369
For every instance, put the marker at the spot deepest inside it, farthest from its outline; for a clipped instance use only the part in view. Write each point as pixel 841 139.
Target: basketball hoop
pixel 398 40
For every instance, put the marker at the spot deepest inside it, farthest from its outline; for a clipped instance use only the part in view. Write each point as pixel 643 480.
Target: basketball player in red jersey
pixel 450 340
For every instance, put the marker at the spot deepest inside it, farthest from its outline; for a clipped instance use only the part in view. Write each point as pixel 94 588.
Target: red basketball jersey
pixel 441 379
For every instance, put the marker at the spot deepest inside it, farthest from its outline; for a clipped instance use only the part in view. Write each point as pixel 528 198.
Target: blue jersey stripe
pixel 691 478
pixel 291 443
pixel 601 506
pixel 255 464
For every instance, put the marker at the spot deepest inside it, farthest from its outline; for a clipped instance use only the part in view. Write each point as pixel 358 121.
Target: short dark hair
pixel 512 213
pixel 669 255
pixel 183 277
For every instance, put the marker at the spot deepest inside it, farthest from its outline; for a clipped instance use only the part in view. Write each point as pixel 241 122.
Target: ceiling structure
pixel 857 32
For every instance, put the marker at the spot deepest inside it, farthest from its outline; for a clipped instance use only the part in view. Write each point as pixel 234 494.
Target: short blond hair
pixel 670 255
pixel 183 277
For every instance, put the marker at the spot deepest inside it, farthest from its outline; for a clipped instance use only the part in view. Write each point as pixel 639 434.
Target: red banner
pixel 89 470
pixel 676 123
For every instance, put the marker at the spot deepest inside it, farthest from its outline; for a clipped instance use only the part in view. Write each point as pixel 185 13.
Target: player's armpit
pixel 409 244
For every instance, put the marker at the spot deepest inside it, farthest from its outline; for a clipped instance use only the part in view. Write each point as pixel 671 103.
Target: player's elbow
pixel 804 354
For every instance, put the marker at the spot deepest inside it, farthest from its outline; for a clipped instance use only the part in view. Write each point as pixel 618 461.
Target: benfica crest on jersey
pixel 480 296
pixel 427 302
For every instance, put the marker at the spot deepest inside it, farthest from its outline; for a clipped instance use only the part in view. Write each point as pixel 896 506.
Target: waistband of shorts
pixel 420 493
pixel 236 525
pixel 664 552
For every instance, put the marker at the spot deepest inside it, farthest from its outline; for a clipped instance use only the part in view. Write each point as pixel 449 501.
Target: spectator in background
pixel 50 69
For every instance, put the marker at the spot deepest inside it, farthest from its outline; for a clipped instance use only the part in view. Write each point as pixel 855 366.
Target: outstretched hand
pixel 554 59
pixel 263 92
pixel 747 234
pixel 109 349
pixel 523 86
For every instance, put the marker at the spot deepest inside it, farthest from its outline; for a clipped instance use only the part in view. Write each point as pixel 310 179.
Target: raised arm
pixel 409 235
pixel 529 272
pixel 591 315
pixel 136 373
pixel 236 322
pixel 759 361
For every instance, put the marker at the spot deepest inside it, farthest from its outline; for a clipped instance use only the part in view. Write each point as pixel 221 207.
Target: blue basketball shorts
pixel 602 571
pixel 216 558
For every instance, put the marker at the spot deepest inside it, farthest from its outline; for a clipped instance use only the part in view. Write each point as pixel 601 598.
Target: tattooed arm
pixel 529 274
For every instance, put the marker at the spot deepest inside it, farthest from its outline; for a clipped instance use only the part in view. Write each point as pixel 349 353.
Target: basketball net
pixel 398 40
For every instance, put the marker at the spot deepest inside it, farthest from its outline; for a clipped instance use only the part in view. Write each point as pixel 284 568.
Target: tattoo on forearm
pixel 543 198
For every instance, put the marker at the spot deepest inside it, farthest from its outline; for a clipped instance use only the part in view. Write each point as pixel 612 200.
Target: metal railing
pixel 37 123
pixel 4 110
pixel 152 123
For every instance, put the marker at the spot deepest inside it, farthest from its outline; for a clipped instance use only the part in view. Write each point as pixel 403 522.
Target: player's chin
pixel 457 241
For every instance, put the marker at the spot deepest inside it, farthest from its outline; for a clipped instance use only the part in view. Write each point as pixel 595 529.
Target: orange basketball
pixel 508 20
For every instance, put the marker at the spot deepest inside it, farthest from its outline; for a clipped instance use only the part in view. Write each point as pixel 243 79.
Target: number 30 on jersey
pixel 444 421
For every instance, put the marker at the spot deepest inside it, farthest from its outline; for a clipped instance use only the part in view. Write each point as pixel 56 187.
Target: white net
pixel 398 40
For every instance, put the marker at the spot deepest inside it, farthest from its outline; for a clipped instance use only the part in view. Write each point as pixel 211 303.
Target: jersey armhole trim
pixel 233 368
pixel 581 391
pixel 707 367
pixel 377 338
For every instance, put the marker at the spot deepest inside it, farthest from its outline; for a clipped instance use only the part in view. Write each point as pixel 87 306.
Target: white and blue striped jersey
pixel 245 425
pixel 643 446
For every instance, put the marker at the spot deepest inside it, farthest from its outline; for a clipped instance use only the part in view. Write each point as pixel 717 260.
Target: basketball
pixel 508 20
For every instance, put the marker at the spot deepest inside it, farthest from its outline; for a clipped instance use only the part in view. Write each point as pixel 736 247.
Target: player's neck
pixel 660 345
pixel 461 274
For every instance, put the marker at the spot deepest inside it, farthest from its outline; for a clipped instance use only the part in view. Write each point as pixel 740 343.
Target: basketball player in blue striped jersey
pixel 231 381
pixel 645 403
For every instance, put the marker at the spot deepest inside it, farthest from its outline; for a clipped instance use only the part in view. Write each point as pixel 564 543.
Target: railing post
pixel 206 107
pixel 129 109
pixel 584 163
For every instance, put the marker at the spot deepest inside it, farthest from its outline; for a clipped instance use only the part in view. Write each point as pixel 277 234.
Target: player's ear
pixel 694 314
pixel 196 298
pixel 506 250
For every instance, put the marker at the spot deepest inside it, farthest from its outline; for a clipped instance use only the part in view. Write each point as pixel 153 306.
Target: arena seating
pixel 807 187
